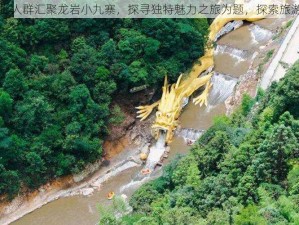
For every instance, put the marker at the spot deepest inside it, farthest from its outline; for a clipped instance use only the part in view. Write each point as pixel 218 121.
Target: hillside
pixel 58 78
pixel 244 170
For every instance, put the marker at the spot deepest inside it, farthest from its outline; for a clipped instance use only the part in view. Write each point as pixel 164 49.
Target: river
pixel 233 57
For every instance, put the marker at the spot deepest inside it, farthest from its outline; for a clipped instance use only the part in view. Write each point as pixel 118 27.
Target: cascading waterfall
pixel 239 54
pixel 259 34
pixel 155 155
pixel 189 134
pixel 156 152
pixel 223 87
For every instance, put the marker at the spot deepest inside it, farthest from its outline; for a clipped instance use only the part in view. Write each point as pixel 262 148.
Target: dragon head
pixel 168 110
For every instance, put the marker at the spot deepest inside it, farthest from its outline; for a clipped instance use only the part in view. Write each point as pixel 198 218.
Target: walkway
pixel 287 53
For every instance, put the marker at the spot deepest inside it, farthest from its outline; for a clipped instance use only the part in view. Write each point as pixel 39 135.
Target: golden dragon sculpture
pixel 170 105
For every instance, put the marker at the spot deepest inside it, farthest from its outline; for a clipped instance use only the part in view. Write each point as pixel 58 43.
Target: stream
pixel 233 56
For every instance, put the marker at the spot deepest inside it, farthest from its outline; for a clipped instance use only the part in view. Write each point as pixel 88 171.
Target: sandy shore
pixel 23 205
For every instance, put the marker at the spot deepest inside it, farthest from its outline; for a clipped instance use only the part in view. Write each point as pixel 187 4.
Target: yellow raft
pixel 110 195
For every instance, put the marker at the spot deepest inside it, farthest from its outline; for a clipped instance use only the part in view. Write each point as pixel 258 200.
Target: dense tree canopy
pixel 243 170
pixel 58 78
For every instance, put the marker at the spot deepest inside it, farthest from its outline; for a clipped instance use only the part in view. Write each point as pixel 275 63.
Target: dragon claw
pixel 202 99
pixel 144 111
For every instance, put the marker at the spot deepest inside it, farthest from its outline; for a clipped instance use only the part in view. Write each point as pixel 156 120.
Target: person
pixel 189 142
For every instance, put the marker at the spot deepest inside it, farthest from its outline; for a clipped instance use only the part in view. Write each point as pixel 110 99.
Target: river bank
pixel 261 60
pixel 128 147
pixel 121 152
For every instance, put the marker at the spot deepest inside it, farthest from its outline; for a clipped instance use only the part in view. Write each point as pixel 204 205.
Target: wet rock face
pixel 130 125
pixel 87 191
pixel 90 168
pixel 247 84
pixel 112 148
pixel 228 28
pixel 131 132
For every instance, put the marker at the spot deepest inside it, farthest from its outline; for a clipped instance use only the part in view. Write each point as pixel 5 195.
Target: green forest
pixel 244 170
pixel 58 78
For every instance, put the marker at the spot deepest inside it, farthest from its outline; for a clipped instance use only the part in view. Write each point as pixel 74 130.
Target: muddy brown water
pixel 80 210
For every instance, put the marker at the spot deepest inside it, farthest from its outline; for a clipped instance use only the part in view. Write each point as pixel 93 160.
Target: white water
pixel 155 155
pixel 135 183
pixel 238 54
pixel 156 152
pixel 73 210
pixel 259 34
pixel 223 87
pixel 115 170
pixel 189 134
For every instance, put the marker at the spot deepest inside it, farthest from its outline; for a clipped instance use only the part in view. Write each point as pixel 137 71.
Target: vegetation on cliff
pixel 244 170
pixel 59 76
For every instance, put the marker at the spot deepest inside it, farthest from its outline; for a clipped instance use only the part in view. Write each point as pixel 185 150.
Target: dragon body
pixel 170 105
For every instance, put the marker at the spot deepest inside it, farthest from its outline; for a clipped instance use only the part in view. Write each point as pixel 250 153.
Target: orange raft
pixel 146 171
pixel 110 195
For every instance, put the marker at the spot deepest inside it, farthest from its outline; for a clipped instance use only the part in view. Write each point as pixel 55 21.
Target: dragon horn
pixel 165 81
pixel 179 81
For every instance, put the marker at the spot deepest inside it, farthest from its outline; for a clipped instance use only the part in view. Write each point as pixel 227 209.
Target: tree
pixel 250 216
pixel 37 65
pixel 218 217
pixel 117 116
pixel 12 56
pixel 33 113
pixel 293 180
pixel 84 63
pixel 142 198
pixel 6 103
pixel 247 103
pixel 286 96
pixel 182 216
pixel 10 182
pixel 15 83
pixel 271 163
pixel 108 52
pixel 34 170
pixel 187 173
pixel 147 220
pixel 62 85
pixel 211 155
pixel 104 86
